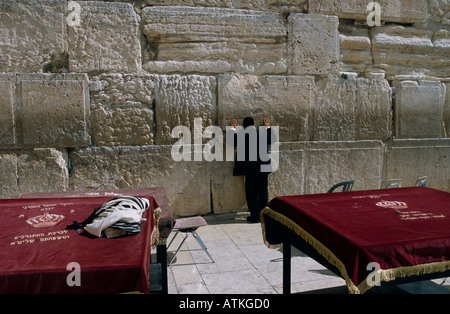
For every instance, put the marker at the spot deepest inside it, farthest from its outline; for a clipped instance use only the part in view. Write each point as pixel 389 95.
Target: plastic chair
pixel 422 181
pixel 346 186
pixel 391 183
pixel 189 226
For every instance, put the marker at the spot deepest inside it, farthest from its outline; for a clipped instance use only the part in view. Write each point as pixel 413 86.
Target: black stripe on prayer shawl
pixel 108 207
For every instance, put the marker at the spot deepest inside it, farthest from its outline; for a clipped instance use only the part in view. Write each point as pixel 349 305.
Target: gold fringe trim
pixel 407 271
pixel 319 247
pixel 385 275
pixel 155 232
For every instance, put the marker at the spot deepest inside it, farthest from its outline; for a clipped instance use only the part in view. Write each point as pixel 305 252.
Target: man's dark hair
pixel 248 121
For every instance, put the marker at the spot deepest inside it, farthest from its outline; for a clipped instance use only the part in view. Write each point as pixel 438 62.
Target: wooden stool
pixel 189 226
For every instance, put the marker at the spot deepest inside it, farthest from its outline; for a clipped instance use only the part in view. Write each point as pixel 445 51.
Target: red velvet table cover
pixel 34 258
pixel 405 230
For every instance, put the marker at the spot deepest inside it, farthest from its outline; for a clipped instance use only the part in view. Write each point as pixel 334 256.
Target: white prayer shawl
pixel 124 209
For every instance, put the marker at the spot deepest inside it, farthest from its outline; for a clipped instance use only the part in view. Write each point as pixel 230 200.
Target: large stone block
pixel 313 44
pixel 43 170
pixel 352 109
pixel 213 40
pixel 400 50
pixel 355 48
pixel 122 109
pixel 418 109
pixel 410 159
pixel 181 99
pixel 9 186
pixel 187 183
pixel 373 109
pixel 32 33
pixel 107 38
pixel 279 5
pixel 328 163
pixel 7 115
pixel 129 109
pixel 403 11
pixel 439 11
pixel 227 191
pixel 54 110
pixel 285 100
pixel 289 177
pixel 334 110
pixel 37 170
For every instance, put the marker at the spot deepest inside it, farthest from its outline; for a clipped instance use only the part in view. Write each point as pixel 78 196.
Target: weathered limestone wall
pixel 91 105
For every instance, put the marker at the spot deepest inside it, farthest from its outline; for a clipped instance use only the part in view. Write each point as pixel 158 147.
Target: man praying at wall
pixel 253 161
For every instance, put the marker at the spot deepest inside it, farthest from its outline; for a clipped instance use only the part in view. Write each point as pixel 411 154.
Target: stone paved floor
pixel 243 264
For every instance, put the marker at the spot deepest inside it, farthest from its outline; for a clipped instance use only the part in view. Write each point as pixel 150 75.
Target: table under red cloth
pixel 405 230
pixel 35 259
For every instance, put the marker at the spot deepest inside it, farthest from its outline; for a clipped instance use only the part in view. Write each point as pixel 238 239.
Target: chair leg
pixel 179 247
pixel 199 240
pixel 178 231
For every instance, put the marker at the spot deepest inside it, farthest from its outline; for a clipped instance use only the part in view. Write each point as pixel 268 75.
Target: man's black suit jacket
pixel 256 152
